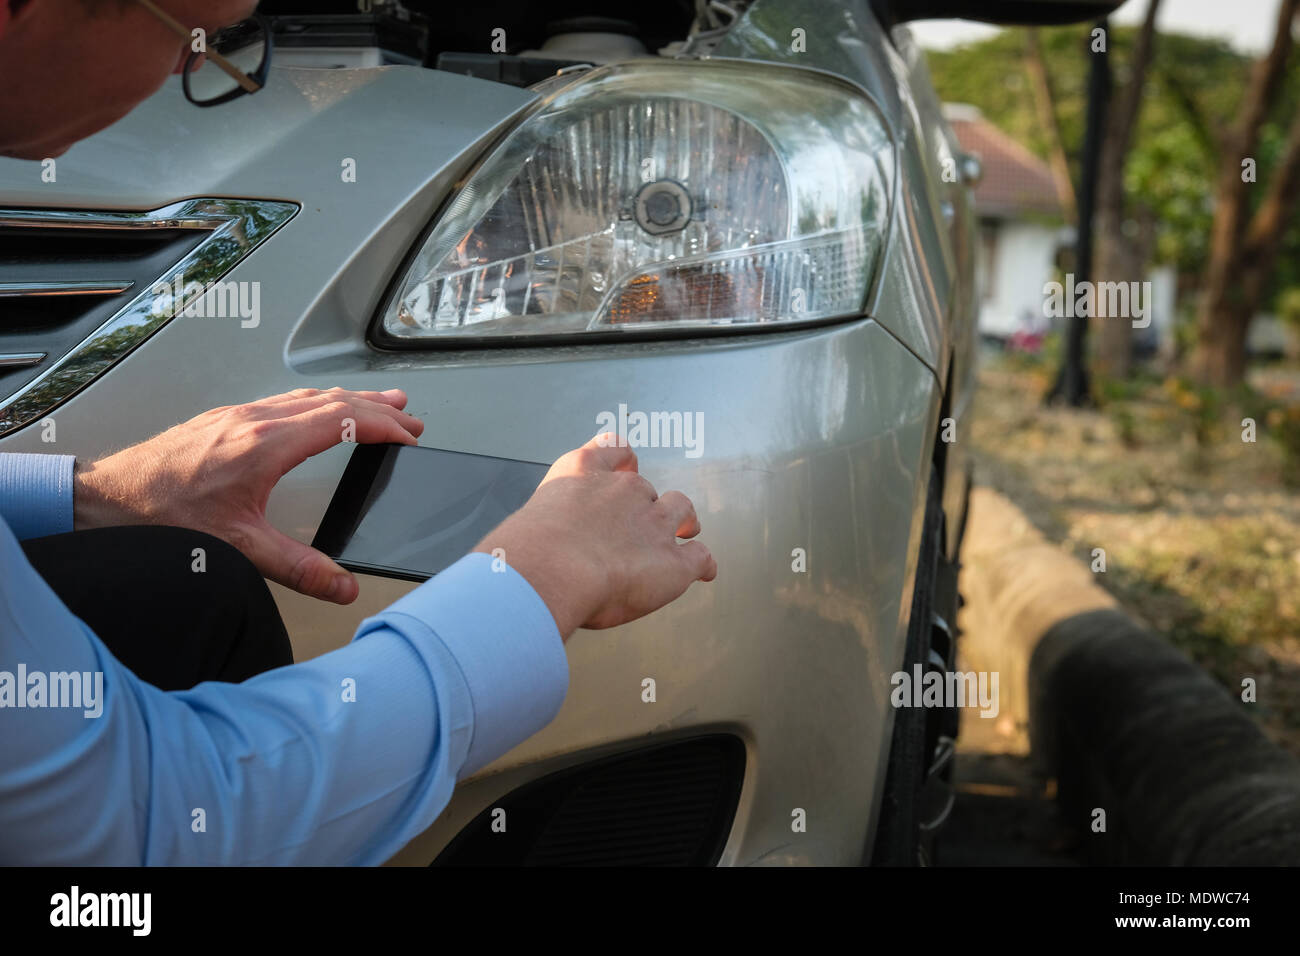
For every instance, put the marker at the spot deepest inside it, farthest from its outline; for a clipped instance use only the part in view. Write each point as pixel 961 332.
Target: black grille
pixel 668 805
pixel 38 321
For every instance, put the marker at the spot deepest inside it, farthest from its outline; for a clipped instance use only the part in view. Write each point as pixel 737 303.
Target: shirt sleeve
pixel 36 493
pixel 342 759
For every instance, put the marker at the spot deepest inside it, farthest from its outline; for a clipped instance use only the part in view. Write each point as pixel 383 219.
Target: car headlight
pixel 659 196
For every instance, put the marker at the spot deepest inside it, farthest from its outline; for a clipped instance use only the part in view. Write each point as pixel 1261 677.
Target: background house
pixel 1021 229
pixel 1020 225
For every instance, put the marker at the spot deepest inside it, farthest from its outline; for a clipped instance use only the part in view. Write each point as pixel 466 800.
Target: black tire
pixel 898 833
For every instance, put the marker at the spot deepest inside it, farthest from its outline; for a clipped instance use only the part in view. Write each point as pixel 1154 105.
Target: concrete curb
pixel 1125 722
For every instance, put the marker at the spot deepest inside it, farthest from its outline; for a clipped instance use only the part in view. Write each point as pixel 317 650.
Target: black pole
pixel 1071 385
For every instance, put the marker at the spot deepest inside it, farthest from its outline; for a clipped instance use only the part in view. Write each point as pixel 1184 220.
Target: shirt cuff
pixel 36 493
pixel 503 638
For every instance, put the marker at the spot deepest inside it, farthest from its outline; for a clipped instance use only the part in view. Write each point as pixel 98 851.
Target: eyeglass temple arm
pixel 234 72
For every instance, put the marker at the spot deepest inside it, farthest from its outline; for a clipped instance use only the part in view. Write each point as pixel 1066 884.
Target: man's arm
pixel 36 493
pixel 214 473
pixel 342 759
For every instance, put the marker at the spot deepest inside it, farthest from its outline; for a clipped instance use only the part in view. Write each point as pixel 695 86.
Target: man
pixel 283 767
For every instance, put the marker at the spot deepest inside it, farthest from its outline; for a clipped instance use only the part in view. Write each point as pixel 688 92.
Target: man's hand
pixel 598 544
pixel 215 472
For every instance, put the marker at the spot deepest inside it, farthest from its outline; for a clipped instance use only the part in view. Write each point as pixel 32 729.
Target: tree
pixel 1121 252
pixel 1170 167
pixel 1045 108
pixel 1244 246
pixel 1195 89
pixel 1073 383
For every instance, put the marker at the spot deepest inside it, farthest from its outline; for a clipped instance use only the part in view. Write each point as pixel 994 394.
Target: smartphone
pixel 408 512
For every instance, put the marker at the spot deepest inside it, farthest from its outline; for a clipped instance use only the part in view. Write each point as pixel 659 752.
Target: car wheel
pixel 898 830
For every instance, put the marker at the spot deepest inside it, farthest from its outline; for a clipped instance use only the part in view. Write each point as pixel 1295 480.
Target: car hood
pixel 288 140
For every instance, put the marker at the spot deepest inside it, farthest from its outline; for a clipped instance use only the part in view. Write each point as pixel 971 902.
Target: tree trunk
pixel 1243 249
pixel 1044 101
pixel 1220 355
pixel 1115 262
pixel 1120 259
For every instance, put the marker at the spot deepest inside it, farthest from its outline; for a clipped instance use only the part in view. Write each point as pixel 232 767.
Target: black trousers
pixel 139 589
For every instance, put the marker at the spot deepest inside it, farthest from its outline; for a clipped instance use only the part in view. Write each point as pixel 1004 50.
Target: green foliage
pixel 1288 307
pixel 1110 390
pixel 1120 399
pixel 1202 407
pixel 1121 414
pixel 991 74
pixel 1193 91
pixel 1277 419
pixel 1283 429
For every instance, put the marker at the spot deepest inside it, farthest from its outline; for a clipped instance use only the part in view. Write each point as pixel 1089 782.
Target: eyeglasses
pixel 235 60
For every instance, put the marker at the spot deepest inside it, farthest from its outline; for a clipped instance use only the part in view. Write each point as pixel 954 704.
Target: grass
pixel 1201 529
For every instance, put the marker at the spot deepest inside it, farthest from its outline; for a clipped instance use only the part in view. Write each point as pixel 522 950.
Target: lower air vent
pixel 669 805
pixel 77 288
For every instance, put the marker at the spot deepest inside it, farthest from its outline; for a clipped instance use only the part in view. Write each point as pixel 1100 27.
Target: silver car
pixel 741 234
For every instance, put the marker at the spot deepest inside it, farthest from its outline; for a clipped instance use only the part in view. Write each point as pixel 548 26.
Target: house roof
pixel 1016 183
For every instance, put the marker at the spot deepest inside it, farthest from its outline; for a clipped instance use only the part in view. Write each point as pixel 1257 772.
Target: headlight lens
pixel 660 195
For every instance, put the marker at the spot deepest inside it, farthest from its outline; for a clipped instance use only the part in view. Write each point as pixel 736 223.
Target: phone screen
pixel 409 512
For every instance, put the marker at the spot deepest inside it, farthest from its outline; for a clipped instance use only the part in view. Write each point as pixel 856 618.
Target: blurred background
pixel 1178 447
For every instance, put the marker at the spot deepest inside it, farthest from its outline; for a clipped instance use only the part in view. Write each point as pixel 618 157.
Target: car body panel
pixel 818 439
pixel 926 294
pixel 284 143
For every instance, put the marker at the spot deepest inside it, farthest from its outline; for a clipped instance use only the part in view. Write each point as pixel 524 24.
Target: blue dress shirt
pixel 338 760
